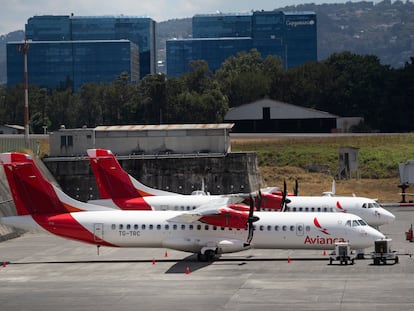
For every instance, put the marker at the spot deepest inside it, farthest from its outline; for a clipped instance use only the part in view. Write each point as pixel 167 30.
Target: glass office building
pixel 290 36
pixel 72 63
pixel 48 33
pixel 222 25
pixel 181 52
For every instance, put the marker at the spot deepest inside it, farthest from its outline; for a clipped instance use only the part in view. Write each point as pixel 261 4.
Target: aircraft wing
pixel 217 214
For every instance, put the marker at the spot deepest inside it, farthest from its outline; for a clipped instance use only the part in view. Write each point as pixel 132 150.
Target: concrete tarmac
pixel 42 272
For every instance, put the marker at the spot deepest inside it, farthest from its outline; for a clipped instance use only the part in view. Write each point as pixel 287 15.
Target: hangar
pixel 268 116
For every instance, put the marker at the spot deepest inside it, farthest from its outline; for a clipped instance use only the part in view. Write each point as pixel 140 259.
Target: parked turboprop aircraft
pixel 39 207
pixel 120 190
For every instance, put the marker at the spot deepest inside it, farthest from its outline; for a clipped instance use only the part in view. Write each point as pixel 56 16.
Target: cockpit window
pixel 363 223
pixel 348 223
pixel 370 205
pixel 355 223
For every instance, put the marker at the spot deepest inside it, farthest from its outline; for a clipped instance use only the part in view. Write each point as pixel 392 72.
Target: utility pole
pixel 26 96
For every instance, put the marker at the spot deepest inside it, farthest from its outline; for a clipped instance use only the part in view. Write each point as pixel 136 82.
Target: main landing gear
pixel 208 255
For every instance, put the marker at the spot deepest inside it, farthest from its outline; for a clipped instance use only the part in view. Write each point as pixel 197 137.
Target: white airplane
pixel 120 190
pixel 40 208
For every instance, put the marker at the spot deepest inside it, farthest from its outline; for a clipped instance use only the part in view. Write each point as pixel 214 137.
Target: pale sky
pixel 14 13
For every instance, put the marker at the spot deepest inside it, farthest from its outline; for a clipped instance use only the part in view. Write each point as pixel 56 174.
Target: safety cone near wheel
pixel 187 270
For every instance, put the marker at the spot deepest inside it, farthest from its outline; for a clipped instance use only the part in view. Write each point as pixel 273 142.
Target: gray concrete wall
pixel 233 173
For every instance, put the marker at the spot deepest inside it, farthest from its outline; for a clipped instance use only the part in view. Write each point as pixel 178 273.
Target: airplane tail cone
pixel 187 270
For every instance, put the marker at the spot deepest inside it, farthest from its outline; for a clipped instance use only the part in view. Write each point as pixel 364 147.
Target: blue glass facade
pixel 54 64
pixel 57 32
pixel 222 25
pixel 181 52
pixel 290 36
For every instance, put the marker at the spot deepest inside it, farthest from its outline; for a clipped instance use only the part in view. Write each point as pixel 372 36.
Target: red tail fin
pixel 113 182
pixel 32 193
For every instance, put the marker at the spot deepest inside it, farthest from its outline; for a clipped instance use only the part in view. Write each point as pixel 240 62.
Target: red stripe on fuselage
pixel 64 225
pixel 133 204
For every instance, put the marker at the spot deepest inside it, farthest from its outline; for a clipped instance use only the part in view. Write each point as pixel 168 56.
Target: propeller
pixel 250 220
pixel 284 199
pixel 296 188
pixel 259 201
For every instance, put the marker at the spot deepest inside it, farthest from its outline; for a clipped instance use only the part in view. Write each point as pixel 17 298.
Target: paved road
pixel 48 273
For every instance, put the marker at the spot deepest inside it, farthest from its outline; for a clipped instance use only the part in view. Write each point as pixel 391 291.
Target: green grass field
pixel 290 158
pixel 379 155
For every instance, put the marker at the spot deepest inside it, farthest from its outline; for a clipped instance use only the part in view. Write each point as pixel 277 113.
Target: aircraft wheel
pixel 210 255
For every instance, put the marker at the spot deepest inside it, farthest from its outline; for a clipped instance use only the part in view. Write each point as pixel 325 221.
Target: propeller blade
pixel 283 202
pixel 259 201
pixel 251 219
pixel 296 189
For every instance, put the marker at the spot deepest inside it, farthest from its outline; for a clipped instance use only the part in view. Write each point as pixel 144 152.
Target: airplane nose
pixel 386 215
pixel 375 234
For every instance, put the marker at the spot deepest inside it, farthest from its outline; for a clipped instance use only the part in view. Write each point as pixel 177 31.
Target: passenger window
pixel 261 228
pixel 158 227
pixel 307 228
pixel 128 227
pixel 292 228
pixel 182 227
pixel 167 227
pixel 276 228
pixel 269 228
pixel 214 227
pixel 151 227
pixel 313 209
pixel 121 227
pixel 191 227
pixel 206 227
pixel 284 228
pixel 174 227
pixel 143 227
pixel 300 228
pixel 113 226
pixel 198 227
pixel 135 227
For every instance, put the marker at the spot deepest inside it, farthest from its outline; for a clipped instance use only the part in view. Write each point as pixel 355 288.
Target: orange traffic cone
pixel 153 261
pixel 4 264
pixel 187 270
pixel 324 253
pixel 166 254
pixel 288 259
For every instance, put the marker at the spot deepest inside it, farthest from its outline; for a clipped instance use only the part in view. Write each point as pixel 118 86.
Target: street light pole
pixel 26 96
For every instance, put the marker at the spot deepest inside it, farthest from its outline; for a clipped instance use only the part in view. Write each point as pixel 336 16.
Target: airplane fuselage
pixel 155 229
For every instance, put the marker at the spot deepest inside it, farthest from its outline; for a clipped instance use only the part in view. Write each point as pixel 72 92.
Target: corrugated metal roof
pixel 164 127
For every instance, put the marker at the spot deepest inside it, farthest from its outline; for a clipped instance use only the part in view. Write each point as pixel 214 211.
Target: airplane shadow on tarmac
pixel 186 265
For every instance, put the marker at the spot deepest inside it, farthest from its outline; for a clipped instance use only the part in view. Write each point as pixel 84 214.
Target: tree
pixel 242 78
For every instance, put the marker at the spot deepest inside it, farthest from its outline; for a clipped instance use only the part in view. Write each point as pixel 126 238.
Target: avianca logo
pixel 339 206
pixel 322 241
pixel 321 229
